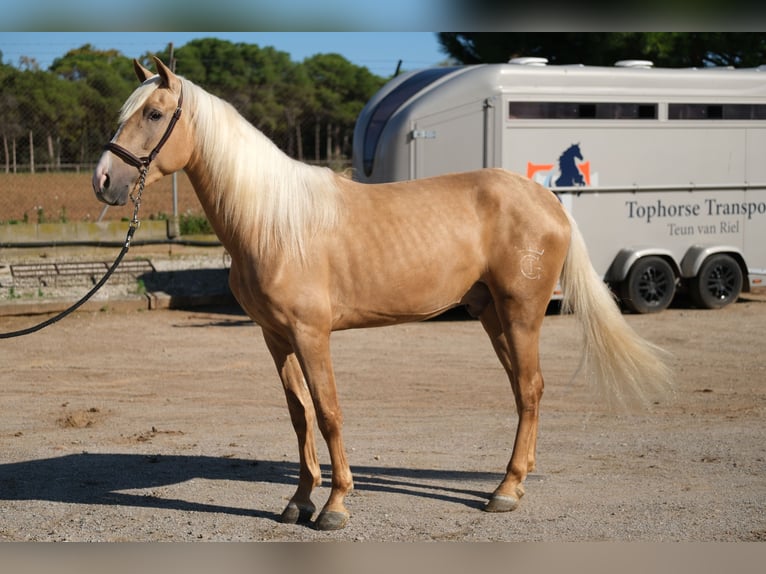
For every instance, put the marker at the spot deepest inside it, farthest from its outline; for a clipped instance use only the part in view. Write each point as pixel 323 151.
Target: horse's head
pixel 574 151
pixel 153 134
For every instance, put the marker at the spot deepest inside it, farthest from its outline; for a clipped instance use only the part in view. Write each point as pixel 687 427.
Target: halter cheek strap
pixel 143 162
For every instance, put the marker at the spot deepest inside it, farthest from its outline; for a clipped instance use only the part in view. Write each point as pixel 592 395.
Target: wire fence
pixel 47 192
pixel 63 197
pixel 53 127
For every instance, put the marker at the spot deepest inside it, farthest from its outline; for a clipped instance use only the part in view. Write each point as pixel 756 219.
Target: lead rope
pixel 134 223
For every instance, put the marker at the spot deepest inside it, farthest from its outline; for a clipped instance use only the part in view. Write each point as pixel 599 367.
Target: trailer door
pixel 457 139
pixel 755 205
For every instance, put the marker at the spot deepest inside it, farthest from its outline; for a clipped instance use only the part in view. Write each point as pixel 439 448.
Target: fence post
pixel 174 229
pixel 31 152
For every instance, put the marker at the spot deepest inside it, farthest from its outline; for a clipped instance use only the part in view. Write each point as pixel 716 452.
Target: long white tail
pixel 625 367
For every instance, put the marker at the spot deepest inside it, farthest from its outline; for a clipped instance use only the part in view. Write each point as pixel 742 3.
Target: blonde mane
pixel 256 190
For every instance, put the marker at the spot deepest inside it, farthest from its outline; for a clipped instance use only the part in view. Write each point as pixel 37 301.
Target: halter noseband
pixel 143 162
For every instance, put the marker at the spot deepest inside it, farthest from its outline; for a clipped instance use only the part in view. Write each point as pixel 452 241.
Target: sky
pixel 235 15
pixel 386 15
pixel 378 51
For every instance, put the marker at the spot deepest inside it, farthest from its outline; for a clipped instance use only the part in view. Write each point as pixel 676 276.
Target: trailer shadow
pixel 124 479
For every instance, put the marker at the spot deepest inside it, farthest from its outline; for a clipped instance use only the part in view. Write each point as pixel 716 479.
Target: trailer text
pixel 660 209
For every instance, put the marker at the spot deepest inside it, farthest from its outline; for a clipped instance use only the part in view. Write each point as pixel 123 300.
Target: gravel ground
pixel 170 425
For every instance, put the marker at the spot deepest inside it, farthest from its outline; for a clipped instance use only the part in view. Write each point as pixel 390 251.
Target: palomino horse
pixel 313 252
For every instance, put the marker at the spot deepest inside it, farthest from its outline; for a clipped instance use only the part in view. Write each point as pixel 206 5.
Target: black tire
pixel 650 285
pixel 718 283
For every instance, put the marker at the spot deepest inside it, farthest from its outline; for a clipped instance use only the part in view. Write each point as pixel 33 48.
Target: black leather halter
pixel 143 162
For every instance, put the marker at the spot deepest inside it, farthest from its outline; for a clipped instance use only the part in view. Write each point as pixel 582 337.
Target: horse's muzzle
pixel 103 185
pixel 105 194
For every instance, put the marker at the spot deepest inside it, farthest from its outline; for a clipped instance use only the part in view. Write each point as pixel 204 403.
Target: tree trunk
pixel 317 151
pixel 50 153
pixel 31 152
pixel 346 144
pixel 290 134
pixel 82 148
pixel 299 139
pixel 6 154
pixel 336 143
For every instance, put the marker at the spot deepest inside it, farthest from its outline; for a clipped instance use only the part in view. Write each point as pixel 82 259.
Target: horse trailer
pixel 663 169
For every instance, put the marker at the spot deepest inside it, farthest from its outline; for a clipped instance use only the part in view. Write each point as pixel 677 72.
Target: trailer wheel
pixel 650 285
pixel 718 283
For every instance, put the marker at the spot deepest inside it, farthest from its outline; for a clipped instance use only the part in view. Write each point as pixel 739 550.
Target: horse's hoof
pixel 331 520
pixel 505 502
pixel 294 514
pixel 501 503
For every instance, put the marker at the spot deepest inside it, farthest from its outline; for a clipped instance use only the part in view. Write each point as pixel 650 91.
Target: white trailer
pixel 663 169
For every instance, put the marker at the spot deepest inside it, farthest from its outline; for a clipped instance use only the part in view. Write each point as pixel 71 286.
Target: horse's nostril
pixel 106 182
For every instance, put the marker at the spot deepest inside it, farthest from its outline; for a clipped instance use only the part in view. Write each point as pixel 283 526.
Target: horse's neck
pixel 203 183
pixel 249 210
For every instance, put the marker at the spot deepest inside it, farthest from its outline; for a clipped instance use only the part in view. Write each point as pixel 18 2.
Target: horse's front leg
pixel 299 403
pixel 312 345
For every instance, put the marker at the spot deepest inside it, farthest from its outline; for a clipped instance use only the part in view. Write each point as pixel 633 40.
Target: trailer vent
pixel 634 64
pixel 529 61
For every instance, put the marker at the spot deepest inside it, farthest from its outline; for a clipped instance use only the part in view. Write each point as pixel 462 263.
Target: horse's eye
pixel 155 115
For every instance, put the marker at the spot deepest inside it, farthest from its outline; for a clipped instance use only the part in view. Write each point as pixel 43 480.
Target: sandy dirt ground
pixel 171 425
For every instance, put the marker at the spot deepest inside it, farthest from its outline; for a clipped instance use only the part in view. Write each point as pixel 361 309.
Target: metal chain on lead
pixel 134 223
pixel 137 198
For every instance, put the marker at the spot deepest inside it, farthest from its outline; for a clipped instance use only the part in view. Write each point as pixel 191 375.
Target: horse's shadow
pixel 107 479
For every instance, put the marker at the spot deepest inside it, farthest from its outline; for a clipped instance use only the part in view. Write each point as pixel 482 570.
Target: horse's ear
pixel 169 79
pixel 142 73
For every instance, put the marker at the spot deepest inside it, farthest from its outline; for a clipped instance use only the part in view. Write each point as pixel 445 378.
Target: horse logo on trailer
pixel 569 172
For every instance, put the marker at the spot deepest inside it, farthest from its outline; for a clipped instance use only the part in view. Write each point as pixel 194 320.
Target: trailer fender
pixel 627 257
pixel 696 255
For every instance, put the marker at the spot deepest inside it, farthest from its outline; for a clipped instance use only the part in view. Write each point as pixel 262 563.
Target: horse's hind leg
pixel 516 344
pixel 300 508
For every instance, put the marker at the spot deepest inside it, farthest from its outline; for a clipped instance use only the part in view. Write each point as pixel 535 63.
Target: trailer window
pixel 389 104
pixel 717 111
pixel 581 110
